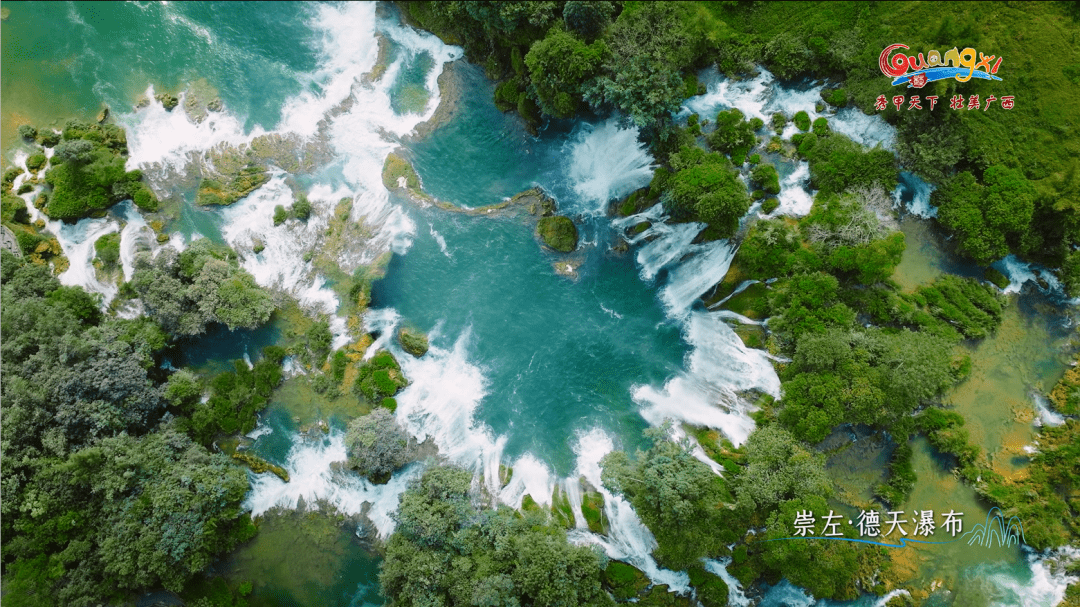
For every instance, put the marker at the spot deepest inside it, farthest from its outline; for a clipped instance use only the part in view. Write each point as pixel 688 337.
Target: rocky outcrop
pixel 558 232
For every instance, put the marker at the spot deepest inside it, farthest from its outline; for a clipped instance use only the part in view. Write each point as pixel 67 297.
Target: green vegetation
pixel 280 214
pixel 767 177
pixel 107 249
pixel 444 551
pixel 396 169
pixel 235 398
pixel 624 581
pixel 377 445
pixel 88 174
pixel 704 187
pixel 838 163
pixel 802 120
pixel 412 341
pixel 991 218
pixel 95 504
pixel 184 292
pixel 36 161
pixel 733 135
pixel 258 465
pixel 558 232
pixel 379 378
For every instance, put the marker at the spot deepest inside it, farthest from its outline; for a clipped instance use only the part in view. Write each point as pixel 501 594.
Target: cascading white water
pixel 795 196
pixel 606 163
pixel 913 194
pixel 736 596
pixel 1045 415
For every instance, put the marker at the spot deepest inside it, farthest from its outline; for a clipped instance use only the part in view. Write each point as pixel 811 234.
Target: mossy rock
pixel 558 232
pixel 751 302
pixel 623 581
pixel 258 465
pixel 658 596
pixel 257 245
pixel 505 474
pixel 168 101
pixel 770 205
pixel 1000 280
pixel 592 507
pixel 213 192
pixel 561 509
pixel 712 591
pixel 414 342
pixel 397 168
pixel 528 504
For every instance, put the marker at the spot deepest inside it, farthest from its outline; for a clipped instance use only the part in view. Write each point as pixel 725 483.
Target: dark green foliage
pixel 414 342
pixel 108 249
pixel 558 232
pixel 624 581
pixel 838 163
pixel 824 568
pixel 802 120
pixel 767 176
pixel 338 364
pixel 836 97
pixel 235 398
pixel 36 161
pixel 779 121
pixel 769 205
pixel 389 403
pixel 558 66
pixel 301 209
pixel 987 218
pixel 587 19
pixel 805 143
pixel 678 497
pixel 805 303
pixel 444 551
pixel 778 468
pixel 379 378
pixel 49 139
pixel 84 180
pixel 27 132
pixel 203 284
pixel 771 249
pixel 508 93
pixel 10 175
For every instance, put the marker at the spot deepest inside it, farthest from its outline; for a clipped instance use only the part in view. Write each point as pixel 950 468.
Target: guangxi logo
pixel 957 64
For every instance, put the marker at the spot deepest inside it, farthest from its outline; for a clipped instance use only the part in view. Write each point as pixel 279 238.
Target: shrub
pixel 769 205
pixel 301 209
pixel 280 215
pixel 802 120
pixel 27 132
pixel 779 121
pixel 821 126
pixel 558 232
pixel 36 161
pixel 767 176
pixel 108 249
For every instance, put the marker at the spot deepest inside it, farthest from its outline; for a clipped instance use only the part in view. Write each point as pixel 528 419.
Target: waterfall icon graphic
pixel 996 531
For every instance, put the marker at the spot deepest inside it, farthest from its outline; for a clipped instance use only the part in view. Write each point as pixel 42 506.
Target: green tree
pixel 558 66
pixel 778 469
pixel 986 218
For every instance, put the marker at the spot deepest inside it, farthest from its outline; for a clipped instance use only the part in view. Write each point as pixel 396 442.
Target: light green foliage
pixel 107 249
pixel 855 233
pixel 203 284
pixel 771 249
pixel 319 340
pixel 986 218
pixel 970 306
pixel 861 376
pixel 767 176
pixel 182 390
pixel 36 161
pixel 14 209
pixel 678 497
pixel 558 232
pixel 802 120
pixel 778 469
pixel 838 163
pixel 379 378
pixel 301 209
pixel 624 581
pixel 412 341
pixel 779 121
pixel 558 66
pixel 712 591
pixel 377 445
pixel 821 126
pixel 733 135
pixel 808 302
pixel 280 215
pixel 446 552
pixel 706 188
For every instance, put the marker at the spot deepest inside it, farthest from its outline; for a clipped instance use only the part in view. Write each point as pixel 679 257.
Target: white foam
pixel 720 366
pixel 440 241
pixel 1045 585
pixel 867 130
pixel 736 596
pixel 688 281
pixel 1046 416
pixel 668 244
pixel 795 197
pixel 311 478
pixel 918 191
pixel 605 163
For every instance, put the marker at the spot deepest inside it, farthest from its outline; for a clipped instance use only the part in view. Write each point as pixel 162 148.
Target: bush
pixel 821 126
pixel 767 176
pixel 27 132
pixel 36 161
pixel 301 209
pixel 770 205
pixel 558 232
pixel 108 249
pixel 802 120
pixel 779 121
pixel 377 445
pixel 379 378
pixel 838 163
pixel 733 135
pixel 280 215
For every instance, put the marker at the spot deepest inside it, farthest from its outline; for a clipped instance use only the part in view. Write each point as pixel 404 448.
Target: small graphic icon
pixel 996 531
pixel 955 63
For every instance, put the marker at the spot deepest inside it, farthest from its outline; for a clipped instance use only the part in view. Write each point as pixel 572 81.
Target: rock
pixel 141 102
pixel 215 105
pixel 168 101
pixel 414 342
pixel 258 465
pixel 621 247
pixel 558 232
pixel 103 114
pixel 567 268
pixel 9 242
pixel 257 245
pixel 232 188
pixel 996 277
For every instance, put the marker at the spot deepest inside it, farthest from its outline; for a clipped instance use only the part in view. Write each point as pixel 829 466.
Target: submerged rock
pixel 558 232
pixel 996 277
pixel 103 115
pixel 258 465
pixel 234 187
pixel 168 101
pixel 414 342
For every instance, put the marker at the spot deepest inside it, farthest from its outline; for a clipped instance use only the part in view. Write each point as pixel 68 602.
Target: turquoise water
pixel 527 367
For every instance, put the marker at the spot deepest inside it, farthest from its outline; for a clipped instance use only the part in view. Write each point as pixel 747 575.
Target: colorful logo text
pixel 959 64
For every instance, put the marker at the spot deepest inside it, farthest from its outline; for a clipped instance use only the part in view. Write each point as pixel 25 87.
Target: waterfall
pixel 606 163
